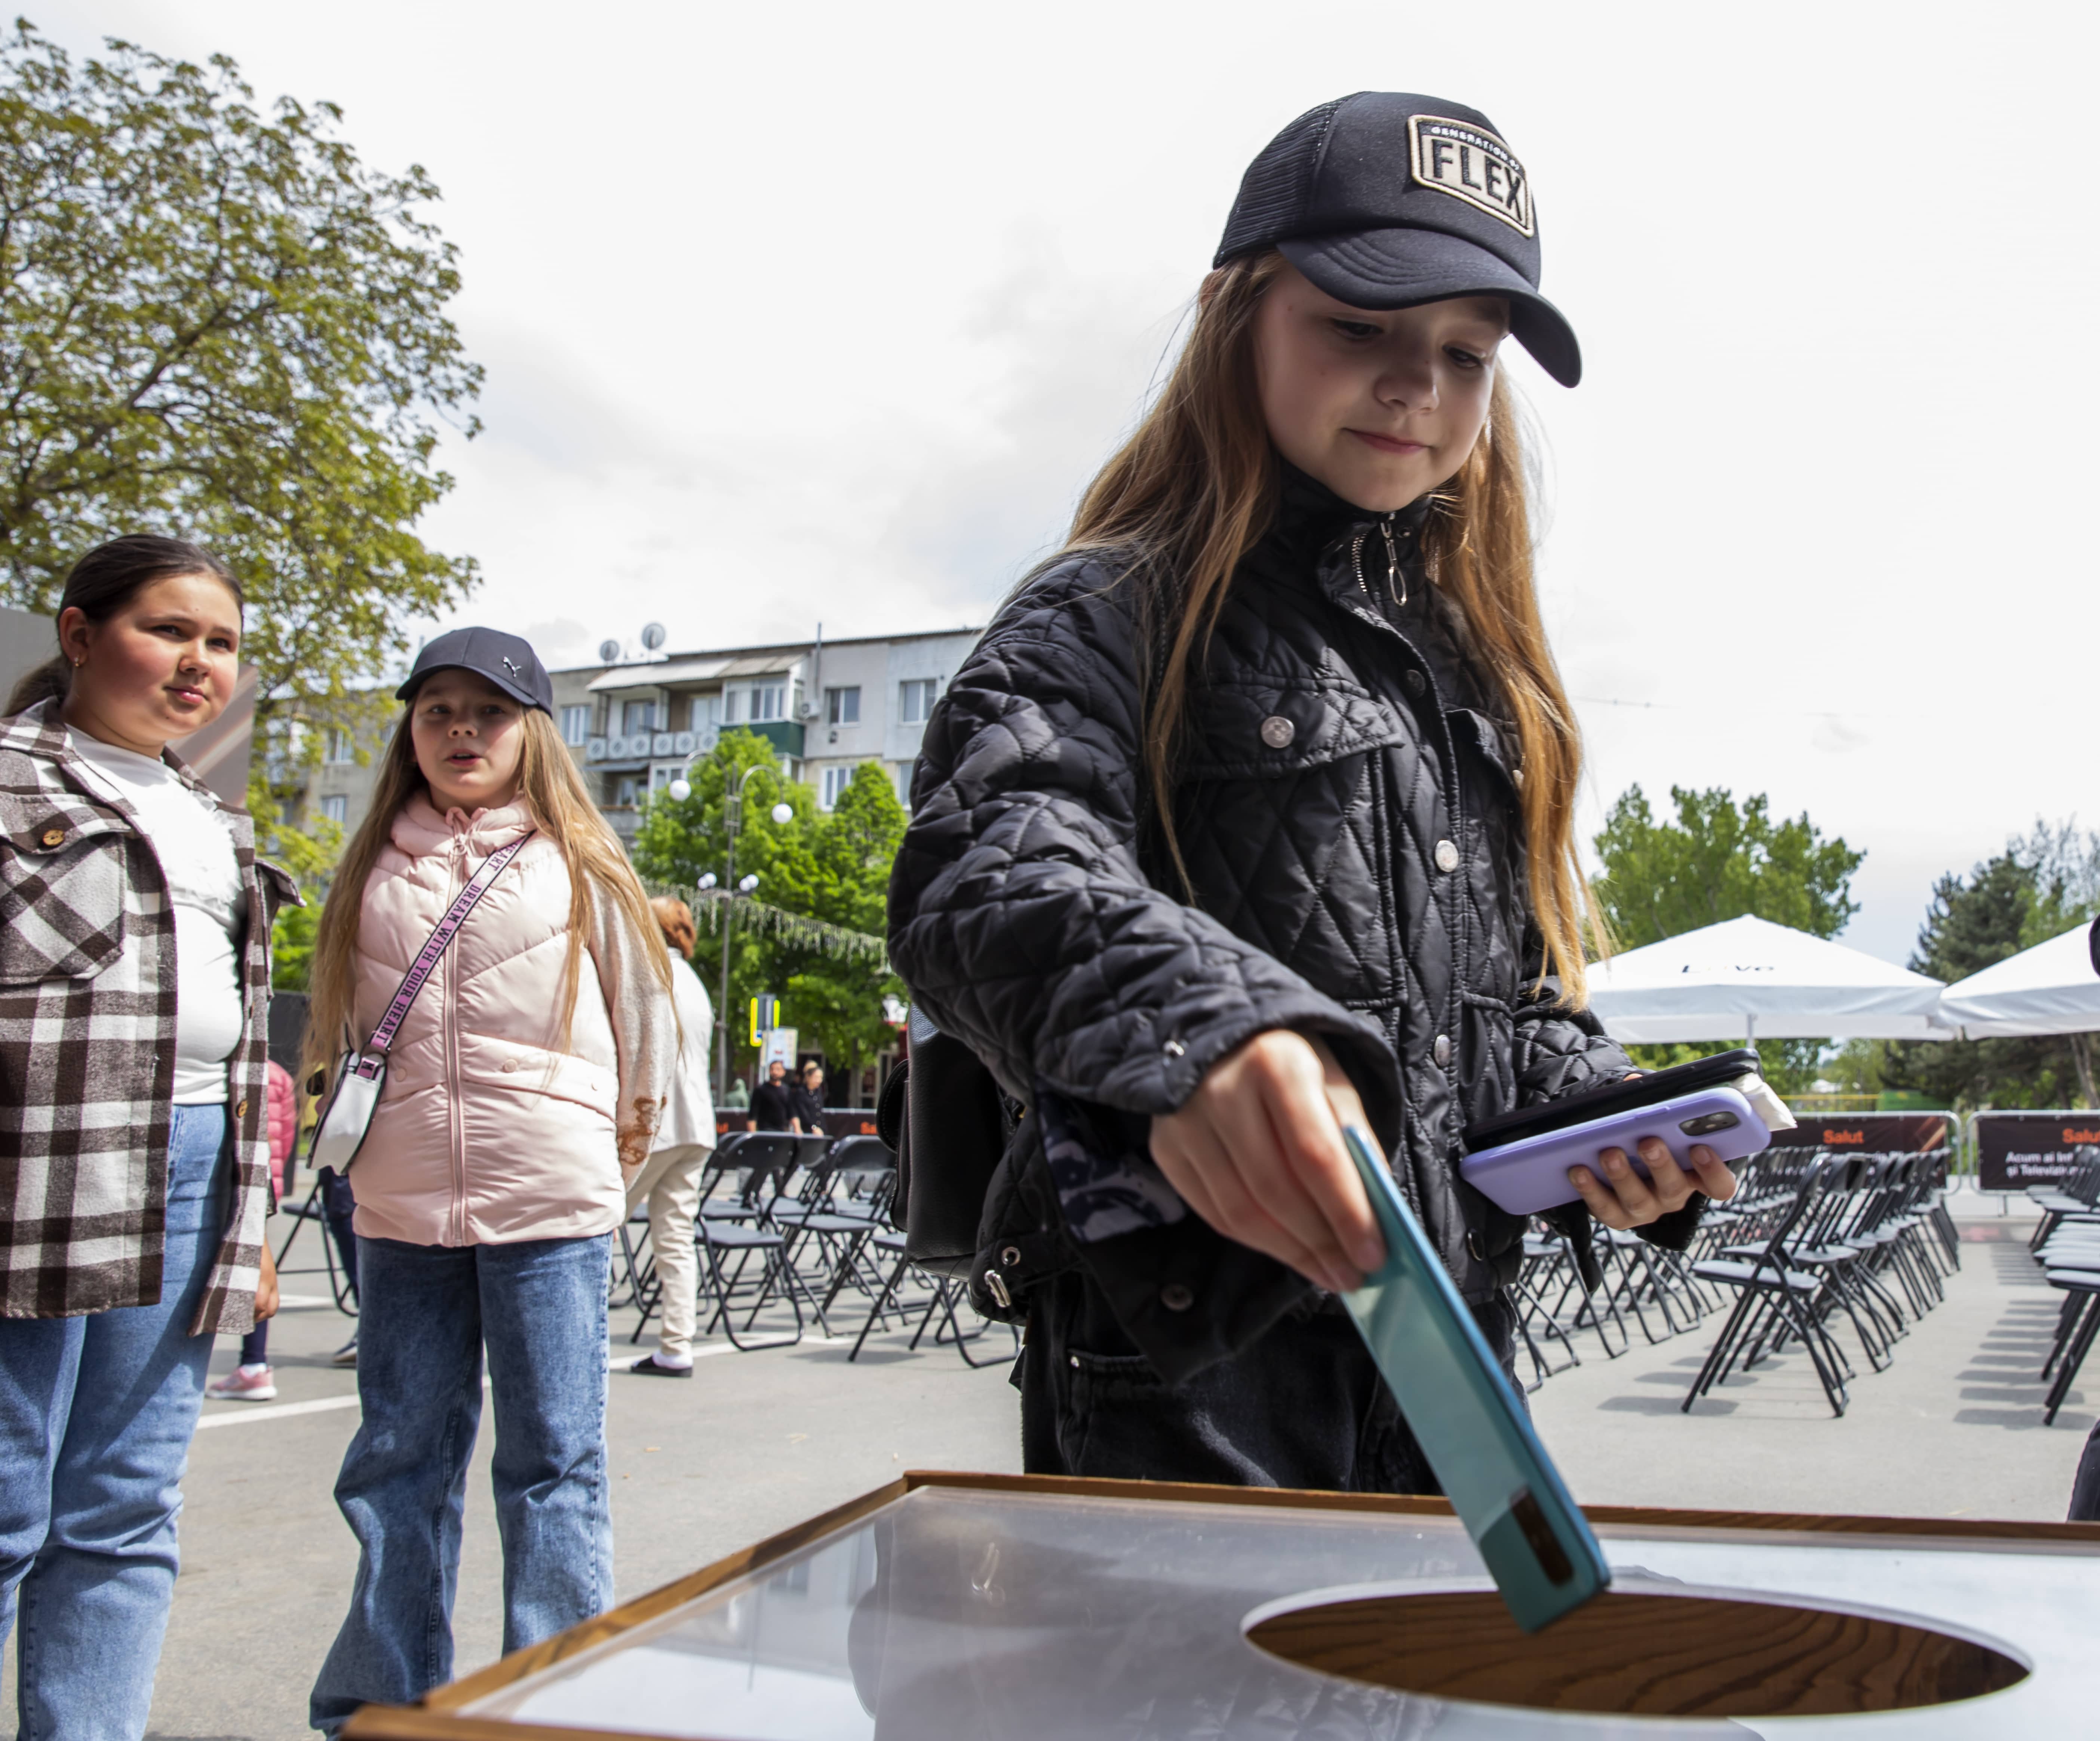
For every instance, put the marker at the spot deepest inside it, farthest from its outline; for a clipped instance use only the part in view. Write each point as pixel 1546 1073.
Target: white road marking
pixel 275 1411
pixel 321 1405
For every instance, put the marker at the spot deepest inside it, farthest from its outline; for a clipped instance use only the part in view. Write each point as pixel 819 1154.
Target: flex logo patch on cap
pixel 1471 163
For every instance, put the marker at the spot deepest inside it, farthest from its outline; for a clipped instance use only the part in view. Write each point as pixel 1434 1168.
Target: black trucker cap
pixel 1387 200
pixel 506 660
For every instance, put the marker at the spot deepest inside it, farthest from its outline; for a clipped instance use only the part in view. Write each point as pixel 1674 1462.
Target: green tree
pixel 834 867
pixel 2041 885
pixel 220 324
pixel 1716 861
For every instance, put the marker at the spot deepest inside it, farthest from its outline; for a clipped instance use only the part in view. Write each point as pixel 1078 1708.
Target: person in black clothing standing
pixel 809 1101
pixel 773 1101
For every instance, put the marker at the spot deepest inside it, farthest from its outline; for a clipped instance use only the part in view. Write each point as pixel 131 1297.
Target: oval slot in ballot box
pixel 1637 1652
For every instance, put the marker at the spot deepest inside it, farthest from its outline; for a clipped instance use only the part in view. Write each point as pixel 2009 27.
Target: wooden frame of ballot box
pixel 1444 1637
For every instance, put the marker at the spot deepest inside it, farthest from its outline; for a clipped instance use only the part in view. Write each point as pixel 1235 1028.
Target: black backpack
pixel 944 1116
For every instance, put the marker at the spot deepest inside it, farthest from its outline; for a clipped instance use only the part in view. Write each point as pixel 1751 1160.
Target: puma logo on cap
pixel 1471 163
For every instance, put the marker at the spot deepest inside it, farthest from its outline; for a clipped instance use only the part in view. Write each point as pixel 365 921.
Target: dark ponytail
pixel 105 581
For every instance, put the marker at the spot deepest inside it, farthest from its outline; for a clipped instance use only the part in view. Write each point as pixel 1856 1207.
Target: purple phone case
pixel 1531 1175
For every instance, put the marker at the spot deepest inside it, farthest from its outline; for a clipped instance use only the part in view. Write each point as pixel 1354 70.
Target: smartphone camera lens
pixel 1707 1123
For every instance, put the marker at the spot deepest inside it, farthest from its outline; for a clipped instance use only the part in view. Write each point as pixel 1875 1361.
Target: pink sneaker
pixel 244 1384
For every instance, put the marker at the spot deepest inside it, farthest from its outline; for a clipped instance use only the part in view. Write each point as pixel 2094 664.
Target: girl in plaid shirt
pixel 134 975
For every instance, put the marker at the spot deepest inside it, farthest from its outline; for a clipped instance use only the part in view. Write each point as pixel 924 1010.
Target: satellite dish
pixel 652 637
pixel 608 652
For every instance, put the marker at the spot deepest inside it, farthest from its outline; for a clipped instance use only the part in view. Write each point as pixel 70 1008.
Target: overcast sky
pixel 825 312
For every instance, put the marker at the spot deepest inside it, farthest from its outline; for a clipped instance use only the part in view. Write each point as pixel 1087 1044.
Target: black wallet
pixel 1650 1089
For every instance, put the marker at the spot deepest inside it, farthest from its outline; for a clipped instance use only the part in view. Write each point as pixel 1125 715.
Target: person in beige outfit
pixel 669 1181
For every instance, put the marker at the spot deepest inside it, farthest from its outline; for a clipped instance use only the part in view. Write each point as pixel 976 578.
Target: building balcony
pixel 621 750
pixel 784 735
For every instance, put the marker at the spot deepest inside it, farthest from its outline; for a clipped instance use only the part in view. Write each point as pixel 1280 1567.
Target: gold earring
pixel 78 663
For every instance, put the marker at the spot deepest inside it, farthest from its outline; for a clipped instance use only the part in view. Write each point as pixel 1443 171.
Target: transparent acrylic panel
pixel 994 1616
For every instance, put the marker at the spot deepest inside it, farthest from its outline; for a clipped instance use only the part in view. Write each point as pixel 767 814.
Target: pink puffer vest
pixel 492 1129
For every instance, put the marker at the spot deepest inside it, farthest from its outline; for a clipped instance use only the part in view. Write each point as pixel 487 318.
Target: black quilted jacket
pixel 1347 807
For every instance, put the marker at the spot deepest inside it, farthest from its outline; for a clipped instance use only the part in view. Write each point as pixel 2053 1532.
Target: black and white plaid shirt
pixel 87 1044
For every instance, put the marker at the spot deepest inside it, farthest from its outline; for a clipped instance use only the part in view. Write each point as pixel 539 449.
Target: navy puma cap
pixel 506 660
pixel 1387 200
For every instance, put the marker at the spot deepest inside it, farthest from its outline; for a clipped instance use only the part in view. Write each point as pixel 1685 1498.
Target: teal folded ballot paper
pixel 1467 1418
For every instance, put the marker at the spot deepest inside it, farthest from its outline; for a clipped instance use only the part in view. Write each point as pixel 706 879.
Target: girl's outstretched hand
pixel 1256 1151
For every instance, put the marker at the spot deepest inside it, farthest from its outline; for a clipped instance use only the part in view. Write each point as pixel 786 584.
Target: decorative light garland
pixel 712 906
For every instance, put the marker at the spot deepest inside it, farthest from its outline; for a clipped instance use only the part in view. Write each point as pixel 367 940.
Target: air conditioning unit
pixel 616 748
pixel 660 744
pixel 685 743
pixel 807 711
pixel 595 749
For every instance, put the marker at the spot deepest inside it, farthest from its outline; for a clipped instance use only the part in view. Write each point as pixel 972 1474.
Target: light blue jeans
pixel 95 1418
pixel 424 1314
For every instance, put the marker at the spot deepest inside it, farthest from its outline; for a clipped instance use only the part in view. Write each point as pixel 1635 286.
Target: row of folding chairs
pixel 784 1226
pixel 1644 1286
pixel 2066 1245
pixel 1816 1238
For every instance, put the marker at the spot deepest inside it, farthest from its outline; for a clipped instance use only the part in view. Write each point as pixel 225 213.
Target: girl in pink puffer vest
pixel 523 1087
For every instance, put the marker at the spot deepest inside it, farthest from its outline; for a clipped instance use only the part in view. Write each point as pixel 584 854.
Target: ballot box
pixel 957 1608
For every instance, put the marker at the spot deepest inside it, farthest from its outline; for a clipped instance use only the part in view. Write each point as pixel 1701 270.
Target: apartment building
pixel 633 724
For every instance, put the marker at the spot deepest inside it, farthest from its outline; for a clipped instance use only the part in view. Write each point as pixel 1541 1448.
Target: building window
pixel 575 724
pixel 842 706
pixel 836 780
pixel 335 808
pixel 769 701
pixel 706 709
pixel 915 700
pixel 637 716
pixel 338 747
pixel 625 792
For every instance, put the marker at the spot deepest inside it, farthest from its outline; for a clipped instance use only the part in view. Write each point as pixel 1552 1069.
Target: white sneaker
pixel 244 1384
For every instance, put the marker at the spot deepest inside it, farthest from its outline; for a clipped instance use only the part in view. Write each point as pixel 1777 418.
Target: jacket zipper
pixel 1396 576
pixel 453 1087
pixel 1395 572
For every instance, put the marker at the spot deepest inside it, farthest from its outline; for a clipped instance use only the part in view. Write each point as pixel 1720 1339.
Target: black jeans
pixel 1303 1407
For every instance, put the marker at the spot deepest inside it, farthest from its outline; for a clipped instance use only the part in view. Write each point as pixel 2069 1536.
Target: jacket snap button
pixel 1416 683
pixel 1008 1256
pixel 508 1065
pixel 1174 1049
pixel 52 836
pixel 1447 855
pixel 1176 1297
pixel 1277 732
pixel 1441 1051
pixel 241 1110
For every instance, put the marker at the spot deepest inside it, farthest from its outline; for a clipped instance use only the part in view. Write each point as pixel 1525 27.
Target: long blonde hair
pixel 552 789
pixel 1195 487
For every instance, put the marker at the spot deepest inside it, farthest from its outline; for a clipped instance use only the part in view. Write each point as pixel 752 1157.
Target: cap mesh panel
pixel 1274 192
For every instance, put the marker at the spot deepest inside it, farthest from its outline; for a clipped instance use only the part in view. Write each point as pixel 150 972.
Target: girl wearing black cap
pixel 523 1088
pixel 1253 814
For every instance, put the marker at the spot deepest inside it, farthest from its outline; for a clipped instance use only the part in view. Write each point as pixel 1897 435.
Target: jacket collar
pixel 39 732
pixel 1310 517
pixel 420 829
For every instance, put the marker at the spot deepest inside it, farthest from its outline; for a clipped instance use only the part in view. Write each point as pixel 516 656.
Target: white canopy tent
pixel 1749 979
pixel 2050 989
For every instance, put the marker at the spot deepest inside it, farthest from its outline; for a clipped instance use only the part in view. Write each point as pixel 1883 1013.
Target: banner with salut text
pixel 1869 1133
pixel 2014 1150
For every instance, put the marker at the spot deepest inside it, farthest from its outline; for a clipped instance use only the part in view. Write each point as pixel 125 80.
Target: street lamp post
pixel 732 821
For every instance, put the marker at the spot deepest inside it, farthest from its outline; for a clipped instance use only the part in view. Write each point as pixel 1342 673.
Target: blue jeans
pixel 424 1313
pixel 95 1418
